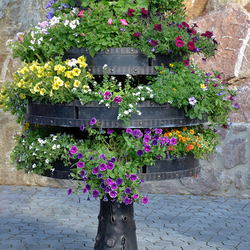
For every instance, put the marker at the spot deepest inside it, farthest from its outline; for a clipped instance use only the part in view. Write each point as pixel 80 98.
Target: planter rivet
pixel 89 70
pixel 51 121
pixel 112 70
pixel 180 122
pixel 132 50
pixel 135 70
pixel 110 242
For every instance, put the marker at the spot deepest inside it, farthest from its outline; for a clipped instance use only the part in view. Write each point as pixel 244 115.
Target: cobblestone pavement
pixel 38 218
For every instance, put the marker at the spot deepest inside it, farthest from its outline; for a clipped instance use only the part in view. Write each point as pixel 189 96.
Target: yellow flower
pixel 69 74
pixel 174 89
pixel 32 91
pixel 171 65
pixel 161 72
pixel 173 130
pixel 51 93
pixel 57 67
pixel 56 79
pixel 47 66
pixel 32 67
pixel 55 86
pixel 203 86
pixel 81 60
pixel 67 84
pixel 22 96
pixel 188 138
pixel 42 91
pixel 36 88
pixel 24 70
pixel 85 88
pixel 90 76
pixel 76 72
pixel 3 89
pixel 191 131
pixel 77 83
pixel 184 128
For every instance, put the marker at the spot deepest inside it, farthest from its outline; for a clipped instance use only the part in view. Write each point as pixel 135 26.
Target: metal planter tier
pixel 121 61
pixel 74 115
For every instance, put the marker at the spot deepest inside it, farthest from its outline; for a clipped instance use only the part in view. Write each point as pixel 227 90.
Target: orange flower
pixel 171 148
pixel 173 130
pixel 191 131
pixel 194 142
pixel 198 145
pixel 184 128
pixel 189 147
pixel 188 138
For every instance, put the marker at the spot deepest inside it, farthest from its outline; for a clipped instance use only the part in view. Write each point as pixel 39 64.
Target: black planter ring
pixel 121 61
pixel 74 115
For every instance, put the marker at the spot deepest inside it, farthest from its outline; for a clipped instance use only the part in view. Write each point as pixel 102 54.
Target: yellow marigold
pixel 171 65
pixel 22 96
pixel 55 86
pixel 184 128
pixel 194 142
pixel 191 131
pixel 183 141
pixel 169 134
pixel 198 145
pixel 177 132
pixel 188 138
pixel 161 72
pixel 76 72
pixel 42 91
pixel 174 89
pixel 173 130
pixel 77 83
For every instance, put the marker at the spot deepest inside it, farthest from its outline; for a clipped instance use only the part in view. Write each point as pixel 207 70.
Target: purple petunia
pixel 156 137
pixel 113 159
pixel 133 177
pixel 192 100
pixel 109 181
pixel 95 170
pixel 102 167
pixel 110 131
pixel 173 141
pixel 83 173
pixel 93 121
pixel 129 131
pixel 147 148
pixel 126 201
pixel 144 200
pixel 135 196
pixel 158 131
pixel 113 186
pixel 147 138
pixel 147 130
pixel 82 127
pixel 140 152
pixel 99 176
pixel 107 95
pixel 80 155
pixel 237 105
pixel 80 164
pixel 110 165
pixel 103 186
pixel 87 187
pixel 95 193
pixel 103 156
pixel 113 194
pixel 154 142
pixel 119 181
pixel 128 190
pixel 107 190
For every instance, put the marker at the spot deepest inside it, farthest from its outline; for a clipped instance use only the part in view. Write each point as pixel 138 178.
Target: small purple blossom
pixel 95 170
pixel 126 201
pixel 99 176
pixel 110 131
pixel 102 167
pixel 80 164
pixel 103 186
pixel 147 138
pixel 133 177
pixel 158 131
pixel 128 190
pixel 107 95
pixel 117 99
pixel 113 194
pixel 113 159
pixel 135 196
pixel 109 181
pixel 107 190
pixel 129 131
pixel 140 152
pixel 93 121
pixel 147 130
pixel 103 156
pixel 80 156
pixel 110 165
pixel 91 158
pixel 113 186
pixel 73 150
pixel 82 127
pixel 144 200
pixel 119 181
pixel 173 141
pixel 237 105
pixel 70 191
pixel 87 187
pixel 154 142
pixel 147 148
pixel 83 173
pixel 95 193
pixel 50 15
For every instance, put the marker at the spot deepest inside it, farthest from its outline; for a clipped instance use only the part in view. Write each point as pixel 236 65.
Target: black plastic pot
pixel 116 228
pixel 74 115
pixel 121 61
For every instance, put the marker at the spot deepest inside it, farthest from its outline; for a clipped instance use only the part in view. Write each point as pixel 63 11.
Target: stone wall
pixel 226 173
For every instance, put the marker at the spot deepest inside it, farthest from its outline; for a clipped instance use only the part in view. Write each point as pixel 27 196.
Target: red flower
pixel 144 13
pixel 186 62
pixel 179 43
pixel 180 26
pixel 158 27
pixel 191 45
pixel 191 31
pixel 130 12
pixel 178 38
pixel 209 34
pixel 137 34
pixel 219 76
pixel 185 24
pixel 154 43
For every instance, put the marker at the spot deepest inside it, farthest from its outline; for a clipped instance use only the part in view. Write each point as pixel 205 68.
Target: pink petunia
pixel 110 21
pixel 80 14
pixel 123 21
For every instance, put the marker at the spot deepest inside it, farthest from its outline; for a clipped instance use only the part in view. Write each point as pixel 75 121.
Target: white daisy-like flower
pixel 47 161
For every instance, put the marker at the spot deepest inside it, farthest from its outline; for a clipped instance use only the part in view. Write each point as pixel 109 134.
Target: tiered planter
pixel 116 228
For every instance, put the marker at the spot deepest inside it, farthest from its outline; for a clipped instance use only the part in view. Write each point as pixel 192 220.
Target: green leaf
pixel 92 52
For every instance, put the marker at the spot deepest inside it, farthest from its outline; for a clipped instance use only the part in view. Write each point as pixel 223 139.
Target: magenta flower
pixel 130 12
pixel 154 43
pixel 107 95
pixel 110 165
pixel 123 21
pixel 82 127
pixel 128 190
pixel 145 200
pixel 119 181
pixel 70 191
pixel 80 14
pixel 179 43
pixel 73 150
pixel 147 130
pixel 137 34
pixel 80 156
pixel 102 167
pixel 186 62
pixel 109 181
pixel 113 194
pixel 113 186
pixel 173 141
pixel 80 164
pixel 95 170
pixel 129 131
pixel 103 156
pixel 93 121
pixel 110 131
pixel 147 138
pixel 158 27
pixel 117 99
pixel 133 177
pixel 147 148
pixel 191 45
pixel 135 196
pixel 158 131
